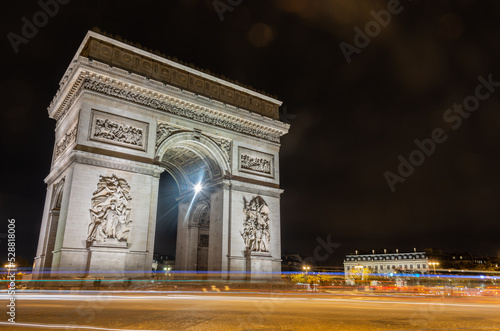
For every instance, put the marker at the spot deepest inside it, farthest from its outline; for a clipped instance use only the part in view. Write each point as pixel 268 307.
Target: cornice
pixel 263 189
pixel 104 161
pixel 140 90
pixel 117 163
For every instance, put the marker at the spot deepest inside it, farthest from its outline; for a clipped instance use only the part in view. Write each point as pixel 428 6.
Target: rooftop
pixel 134 58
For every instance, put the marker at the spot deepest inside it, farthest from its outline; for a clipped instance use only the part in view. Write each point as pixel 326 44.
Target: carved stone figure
pixel 254 163
pixel 256 225
pixel 110 213
pixel 225 146
pixel 114 131
pixel 164 131
pixel 68 138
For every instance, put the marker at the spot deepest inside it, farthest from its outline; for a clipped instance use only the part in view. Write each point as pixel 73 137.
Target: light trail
pixel 296 297
pixel 66 326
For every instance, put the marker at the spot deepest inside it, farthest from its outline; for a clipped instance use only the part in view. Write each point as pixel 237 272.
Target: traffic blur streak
pixel 449 283
pixel 144 310
pixel 414 290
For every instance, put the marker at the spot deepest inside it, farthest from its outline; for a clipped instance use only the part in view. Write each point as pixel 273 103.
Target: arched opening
pixel 53 221
pixel 166 220
pixel 189 161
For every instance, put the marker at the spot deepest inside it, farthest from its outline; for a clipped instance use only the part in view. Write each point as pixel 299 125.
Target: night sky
pixel 352 120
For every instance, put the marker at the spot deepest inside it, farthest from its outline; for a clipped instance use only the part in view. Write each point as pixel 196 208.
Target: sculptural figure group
pixel 256 225
pixel 110 213
pixel 118 132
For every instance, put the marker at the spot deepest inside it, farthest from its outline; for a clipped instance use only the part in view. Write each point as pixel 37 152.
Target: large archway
pixel 124 116
pixel 194 160
pixel 166 220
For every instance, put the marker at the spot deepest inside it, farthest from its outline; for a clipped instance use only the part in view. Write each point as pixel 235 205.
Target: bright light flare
pixel 198 188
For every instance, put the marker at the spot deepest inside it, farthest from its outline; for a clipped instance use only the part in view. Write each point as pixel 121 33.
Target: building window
pixel 411 266
pixel 348 268
pixel 418 266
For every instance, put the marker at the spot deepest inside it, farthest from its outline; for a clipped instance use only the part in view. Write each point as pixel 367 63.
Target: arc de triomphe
pixel 124 115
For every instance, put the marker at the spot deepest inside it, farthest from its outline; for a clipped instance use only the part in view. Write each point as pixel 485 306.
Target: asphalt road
pixel 119 311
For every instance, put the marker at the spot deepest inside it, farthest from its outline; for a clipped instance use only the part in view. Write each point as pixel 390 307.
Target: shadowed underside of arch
pixel 191 162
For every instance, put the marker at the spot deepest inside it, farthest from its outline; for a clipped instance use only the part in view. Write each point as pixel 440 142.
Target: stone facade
pixel 118 129
pixel 387 262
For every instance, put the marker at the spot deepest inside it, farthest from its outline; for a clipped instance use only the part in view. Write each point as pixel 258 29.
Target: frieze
pixel 67 140
pixel 118 130
pixel 197 115
pixel 256 162
pixel 202 85
pixel 249 162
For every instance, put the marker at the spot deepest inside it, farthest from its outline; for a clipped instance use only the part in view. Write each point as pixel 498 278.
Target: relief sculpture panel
pixel 110 213
pixel 118 130
pixel 256 162
pixel 65 141
pixel 256 225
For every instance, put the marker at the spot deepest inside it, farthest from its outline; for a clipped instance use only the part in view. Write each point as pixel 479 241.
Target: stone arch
pixel 192 157
pixel 199 214
pixel 106 128
pixel 58 193
pixel 53 221
pixel 200 224
pixel 185 153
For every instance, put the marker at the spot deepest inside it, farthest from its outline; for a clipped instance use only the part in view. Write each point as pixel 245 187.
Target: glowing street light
pixel 10 266
pixel 198 188
pixel 434 264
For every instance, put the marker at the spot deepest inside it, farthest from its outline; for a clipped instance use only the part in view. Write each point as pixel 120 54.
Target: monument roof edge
pixel 93 34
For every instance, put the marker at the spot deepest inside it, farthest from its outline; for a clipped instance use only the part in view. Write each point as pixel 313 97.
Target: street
pixel 237 311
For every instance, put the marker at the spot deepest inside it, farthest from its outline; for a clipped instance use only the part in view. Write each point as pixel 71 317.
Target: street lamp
pixel 167 271
pixel 434 264
pixel 9 266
